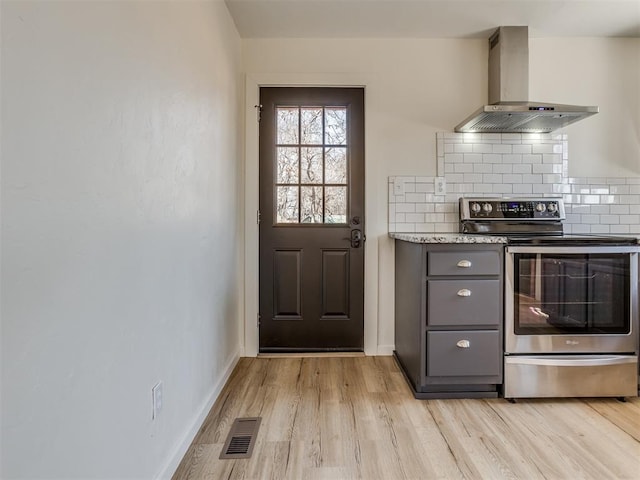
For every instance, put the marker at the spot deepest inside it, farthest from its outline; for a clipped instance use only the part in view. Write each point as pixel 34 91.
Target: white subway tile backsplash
pixel 502 148
pixel 600 209
pixel 503 168
pixel 462 148
pixel 416 217
pixel 552 158
pixel 490 158
pixel 482 148
pixel 617 181
pixel 561 189
pixel 482 188
pixel 511 158
pixel 542 148
pixel 473 178
pixel 472 158
pixel 463 168
pixel 619 209
pixel 405 207
pixel 585 218
pixel 619 189
pixel 428 187
pixel 425 207
pixel 513 164
pixel 610 219
pixel 619 229
pixel 416 197
pixel 523 149
pixel 482 168
pixel 552 178
pixel 543 189
pixel 512 138
pixel 491 137
pixel 542 168
pixel 503 188
pixel 523 189
pixel 531 159
pixel 513 178
pixel 492 178
pixel 630 219
pixel 522 168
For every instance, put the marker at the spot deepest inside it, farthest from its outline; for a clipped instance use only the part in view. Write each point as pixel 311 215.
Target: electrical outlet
pixel 398 186
pixel 156 395
pixel 440 186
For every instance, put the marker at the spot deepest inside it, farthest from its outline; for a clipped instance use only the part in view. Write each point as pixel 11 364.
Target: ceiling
pixel 433 18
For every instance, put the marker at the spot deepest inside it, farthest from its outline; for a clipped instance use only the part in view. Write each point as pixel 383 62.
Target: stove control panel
pixel 547 209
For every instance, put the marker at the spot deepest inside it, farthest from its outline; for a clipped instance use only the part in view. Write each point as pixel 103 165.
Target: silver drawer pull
pixel 464 264
pixel 463 344
pixel 464 292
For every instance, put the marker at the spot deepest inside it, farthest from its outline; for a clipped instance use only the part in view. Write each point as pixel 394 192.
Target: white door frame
pixel 251 237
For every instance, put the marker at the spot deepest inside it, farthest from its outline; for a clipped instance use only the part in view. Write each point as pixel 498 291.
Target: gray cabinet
pixel 448 323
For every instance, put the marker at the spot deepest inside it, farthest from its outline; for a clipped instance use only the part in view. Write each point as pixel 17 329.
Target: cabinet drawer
pixel 447 355
pixel 463 302
pixel 464 263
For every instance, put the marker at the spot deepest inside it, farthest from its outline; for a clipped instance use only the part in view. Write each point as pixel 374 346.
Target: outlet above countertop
pixel 447 238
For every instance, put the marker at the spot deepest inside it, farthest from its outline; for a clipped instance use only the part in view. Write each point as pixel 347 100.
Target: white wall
pixel 593 71
pixel 417 87
pixel 121 232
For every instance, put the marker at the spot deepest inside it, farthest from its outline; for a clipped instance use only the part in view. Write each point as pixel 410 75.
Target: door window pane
pixel 287 126
pixel 287 209
pixel 287 165
pixel 335 205
pixel 335 126
pixel 311 205
pixel 311 168
pixel 335 165
pixel 311 125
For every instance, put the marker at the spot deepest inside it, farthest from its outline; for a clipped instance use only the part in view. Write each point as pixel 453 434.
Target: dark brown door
pixel 312 219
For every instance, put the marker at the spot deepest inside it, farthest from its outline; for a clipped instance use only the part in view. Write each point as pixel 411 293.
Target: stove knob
pixel 487 207
pixel 475 207
pixel 552 207
pixel 540 207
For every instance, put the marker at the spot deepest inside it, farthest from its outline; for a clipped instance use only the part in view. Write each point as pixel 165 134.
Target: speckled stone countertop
pixel 447 238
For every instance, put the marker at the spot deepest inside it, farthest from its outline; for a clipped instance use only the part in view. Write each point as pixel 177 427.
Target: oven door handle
pixel 572 360
pixel 545 249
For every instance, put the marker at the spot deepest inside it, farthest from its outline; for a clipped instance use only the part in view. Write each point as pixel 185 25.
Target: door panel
pixel 335 284
pixel 286 285
pixel 312 219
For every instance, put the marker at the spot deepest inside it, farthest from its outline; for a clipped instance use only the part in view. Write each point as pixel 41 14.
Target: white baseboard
pixel 386 350
pixel 171 465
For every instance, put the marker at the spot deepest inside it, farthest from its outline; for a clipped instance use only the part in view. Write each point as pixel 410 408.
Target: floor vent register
pixel 241 438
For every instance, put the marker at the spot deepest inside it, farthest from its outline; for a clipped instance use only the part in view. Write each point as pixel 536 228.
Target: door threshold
pixel 311 354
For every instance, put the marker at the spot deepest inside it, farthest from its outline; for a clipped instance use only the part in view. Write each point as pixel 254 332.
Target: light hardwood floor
pixel 355 418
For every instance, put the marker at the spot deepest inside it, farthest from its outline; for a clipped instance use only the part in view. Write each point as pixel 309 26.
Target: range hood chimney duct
pixel 509 110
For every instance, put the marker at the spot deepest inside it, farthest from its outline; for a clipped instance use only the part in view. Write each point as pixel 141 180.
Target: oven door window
pixel 571 293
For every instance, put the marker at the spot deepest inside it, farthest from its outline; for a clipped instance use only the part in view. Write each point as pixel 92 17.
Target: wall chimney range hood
pixel 509 110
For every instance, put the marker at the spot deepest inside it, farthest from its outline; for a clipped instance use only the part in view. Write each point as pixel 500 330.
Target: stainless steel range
pixel 571 301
